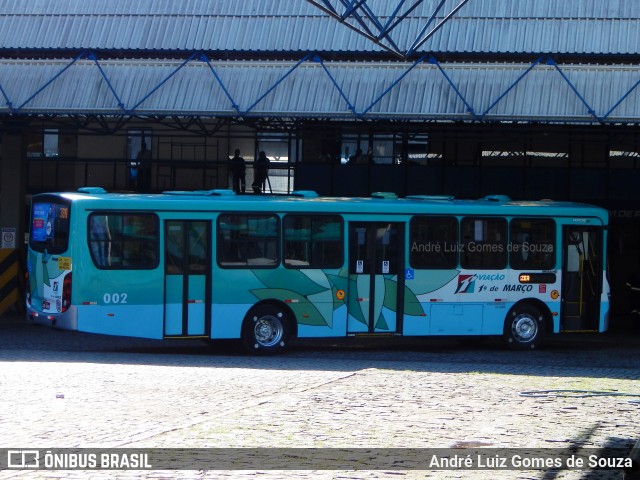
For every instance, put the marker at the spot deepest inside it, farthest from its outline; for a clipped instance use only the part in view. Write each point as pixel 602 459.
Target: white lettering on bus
pixel 497 276
pixel 115 298
pixel 517 288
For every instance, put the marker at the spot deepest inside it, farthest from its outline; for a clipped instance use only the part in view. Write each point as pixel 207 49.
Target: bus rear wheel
pixel 524 327
pixel 266 329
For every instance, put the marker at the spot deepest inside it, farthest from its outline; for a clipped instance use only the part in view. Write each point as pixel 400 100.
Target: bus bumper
pixel 66 321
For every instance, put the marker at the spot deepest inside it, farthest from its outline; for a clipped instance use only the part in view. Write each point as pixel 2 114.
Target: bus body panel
pixel 46 282
pixel 227 320
pixel 142 321
pixel 493 316
pixel 196 305
pixel 456 319
pixel 173 305
pixel 128 301
pixel 495 290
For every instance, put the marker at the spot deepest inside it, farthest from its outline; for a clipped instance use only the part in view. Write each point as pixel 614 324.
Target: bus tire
pixel 524 327
pixel 266 329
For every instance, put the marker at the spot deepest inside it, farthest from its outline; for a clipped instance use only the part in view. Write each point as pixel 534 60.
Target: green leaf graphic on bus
pixel 289 279
pixel 412 305
pixel 353 306
pixel 381 323
pixel 313 300
pixel 39 276
pixel 33 280
pixel 304 310
pixel 338 282
pixel 45 274
pixel 431 280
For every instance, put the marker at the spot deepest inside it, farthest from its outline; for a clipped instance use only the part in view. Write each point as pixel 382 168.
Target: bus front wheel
pixel 266 329
pixel 524 327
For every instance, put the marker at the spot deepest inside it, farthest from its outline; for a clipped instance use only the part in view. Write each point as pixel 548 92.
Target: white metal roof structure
pixel 420 60
pixel 526 26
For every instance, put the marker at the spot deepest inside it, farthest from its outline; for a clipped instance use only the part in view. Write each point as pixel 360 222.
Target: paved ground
pixel 67 389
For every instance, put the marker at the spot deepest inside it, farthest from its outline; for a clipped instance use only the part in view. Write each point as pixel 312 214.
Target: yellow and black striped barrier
pixel 11 280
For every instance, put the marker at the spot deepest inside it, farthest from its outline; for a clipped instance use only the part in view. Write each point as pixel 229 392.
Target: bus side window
pixel 433 242
pixel 483 243
pixel 532 244
pixel 123 240
pixel 314 241
pixel 248 240
pixel 100 240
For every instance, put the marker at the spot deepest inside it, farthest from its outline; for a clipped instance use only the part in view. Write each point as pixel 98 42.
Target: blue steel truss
pixel 6 98
pixel 164 80
pixel 512 86
pixel 237 110
pixel 50 81
pixel 360 17
pixel 92 56
pixel 615 105
pixel 551 62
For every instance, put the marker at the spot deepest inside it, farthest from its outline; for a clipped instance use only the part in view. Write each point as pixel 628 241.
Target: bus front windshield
pixel 49 227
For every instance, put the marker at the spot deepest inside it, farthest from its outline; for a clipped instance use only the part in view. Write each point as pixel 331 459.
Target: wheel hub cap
pixel 524 328
pixel 268 331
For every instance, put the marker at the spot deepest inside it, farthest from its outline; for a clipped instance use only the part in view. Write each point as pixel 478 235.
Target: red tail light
pixel 66 292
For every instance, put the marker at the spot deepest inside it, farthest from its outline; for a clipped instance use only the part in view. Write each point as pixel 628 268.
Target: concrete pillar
pixel 13 183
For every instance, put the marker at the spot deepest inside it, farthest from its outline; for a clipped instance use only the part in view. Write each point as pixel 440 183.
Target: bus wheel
pixel 524 327
pixel 265 330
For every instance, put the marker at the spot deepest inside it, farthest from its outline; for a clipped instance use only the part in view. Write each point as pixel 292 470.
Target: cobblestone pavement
pixel 68 389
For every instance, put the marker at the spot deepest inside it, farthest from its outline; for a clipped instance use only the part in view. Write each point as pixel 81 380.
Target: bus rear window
pixel 49 227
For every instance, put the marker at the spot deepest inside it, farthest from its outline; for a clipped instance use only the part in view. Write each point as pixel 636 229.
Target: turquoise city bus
pixel 266 269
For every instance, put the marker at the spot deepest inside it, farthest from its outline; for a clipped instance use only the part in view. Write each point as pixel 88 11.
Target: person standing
pixel 355 158
pixel 143 168
pixel 260 172
pixel 238 172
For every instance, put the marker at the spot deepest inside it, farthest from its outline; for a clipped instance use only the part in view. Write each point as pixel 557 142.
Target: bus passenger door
pixel 187 278
pixel 581 278
pixel 376 277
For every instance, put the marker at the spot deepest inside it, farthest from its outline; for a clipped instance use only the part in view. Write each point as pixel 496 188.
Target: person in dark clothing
pixel 143 168
pixel 238 172
pixel 260 172
pixel 355 158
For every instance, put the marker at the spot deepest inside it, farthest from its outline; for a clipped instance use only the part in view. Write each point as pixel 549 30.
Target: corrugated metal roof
pixel 423 94
pixel 612 9
pixel 502 26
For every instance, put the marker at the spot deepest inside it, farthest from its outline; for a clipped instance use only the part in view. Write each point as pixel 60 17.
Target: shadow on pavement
pixel 606 355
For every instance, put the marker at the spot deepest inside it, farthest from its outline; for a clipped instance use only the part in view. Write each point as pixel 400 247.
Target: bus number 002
pixel 114 298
